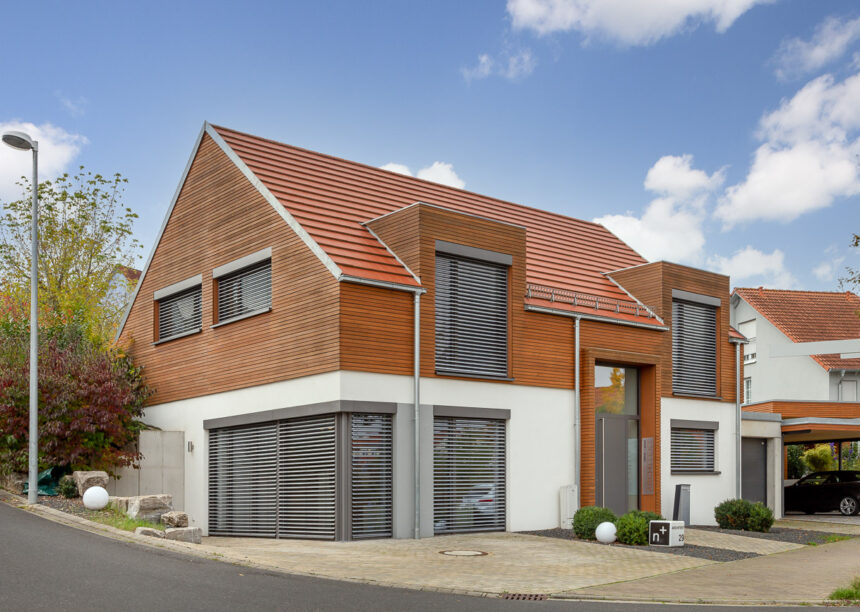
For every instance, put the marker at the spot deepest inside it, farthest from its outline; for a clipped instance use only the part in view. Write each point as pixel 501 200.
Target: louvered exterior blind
pixel 243 475
pixel 471 316
pixel 180 313
pixel 694 348
pixel 245 291
pixel 371 477
pixel 468 475
pixel 692 450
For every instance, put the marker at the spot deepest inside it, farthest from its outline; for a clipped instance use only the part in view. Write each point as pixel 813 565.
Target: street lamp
pixel 22 142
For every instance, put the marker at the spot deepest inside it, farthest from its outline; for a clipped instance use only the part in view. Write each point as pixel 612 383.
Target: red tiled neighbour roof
pixel 736 335
pixel 331 198
pixel 810 316
pixel 130 274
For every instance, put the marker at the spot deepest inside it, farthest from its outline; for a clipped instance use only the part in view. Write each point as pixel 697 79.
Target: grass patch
pixel 116 518
pixel 851 593
pixel 836 537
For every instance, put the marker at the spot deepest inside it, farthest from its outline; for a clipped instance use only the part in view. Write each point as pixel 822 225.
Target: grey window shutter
pixel 371 476
pixel 692 450
pixel 694 348
pixel 180 313
pixel 307 458
pixel 468 475
pixel 243 474
pixel 247 290
pixel 471 316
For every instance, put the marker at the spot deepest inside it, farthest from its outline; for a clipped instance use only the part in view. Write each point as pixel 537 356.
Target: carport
pixel 809 430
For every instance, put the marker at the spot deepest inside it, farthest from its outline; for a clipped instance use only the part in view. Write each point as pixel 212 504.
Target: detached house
pixel 354 353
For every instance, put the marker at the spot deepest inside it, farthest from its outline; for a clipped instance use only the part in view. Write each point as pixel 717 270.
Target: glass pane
pixel 616 390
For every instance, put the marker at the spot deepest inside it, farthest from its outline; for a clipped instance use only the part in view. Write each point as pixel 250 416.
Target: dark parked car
pixel 825 492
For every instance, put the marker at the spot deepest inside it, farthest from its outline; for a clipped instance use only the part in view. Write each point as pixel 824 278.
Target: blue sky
pixel 723 134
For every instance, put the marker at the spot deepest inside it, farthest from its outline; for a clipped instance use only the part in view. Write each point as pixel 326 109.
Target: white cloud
pixel 752 266
pixel 630 22
pixel 75 107
pixel 438 172
pixel 512 66
pixel 441 172
pixel 830 41
pixel 57 149
pixel 671 226
pixel 826 270
pixel 808 158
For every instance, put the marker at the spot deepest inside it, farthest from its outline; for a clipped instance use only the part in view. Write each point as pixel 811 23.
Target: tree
pixel 852 274
pixel 85 234
pixel 820 458
pixel 90 400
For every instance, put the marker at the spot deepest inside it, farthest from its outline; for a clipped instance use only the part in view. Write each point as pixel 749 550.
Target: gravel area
pixel 71 506
pixel 702 552
pixel 781 534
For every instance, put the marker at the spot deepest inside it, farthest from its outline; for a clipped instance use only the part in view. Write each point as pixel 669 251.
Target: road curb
pixel 573 596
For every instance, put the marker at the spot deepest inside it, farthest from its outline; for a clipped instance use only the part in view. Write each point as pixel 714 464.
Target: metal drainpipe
pixel 416 361
pixel 738 419
pixel 577 429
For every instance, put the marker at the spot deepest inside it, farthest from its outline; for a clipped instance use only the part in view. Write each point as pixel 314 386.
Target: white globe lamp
pixel 95 498
pixel 605 532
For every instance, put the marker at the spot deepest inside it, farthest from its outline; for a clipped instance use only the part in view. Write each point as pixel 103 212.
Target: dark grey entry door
pixel 617 463
pixel 754 469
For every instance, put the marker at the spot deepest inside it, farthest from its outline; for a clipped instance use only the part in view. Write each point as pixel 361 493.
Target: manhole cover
pixel 525 596
pixel 463 553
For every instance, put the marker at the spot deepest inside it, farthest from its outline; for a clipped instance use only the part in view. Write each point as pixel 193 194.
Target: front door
pixel 617 438
pixel 754 470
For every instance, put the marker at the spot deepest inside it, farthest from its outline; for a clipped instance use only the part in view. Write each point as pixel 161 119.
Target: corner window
pixel 848 391
pixel 179 314
pixel 471 316
pixel 692 450
pixel 694 348
pixel 244 292
pixel 747 390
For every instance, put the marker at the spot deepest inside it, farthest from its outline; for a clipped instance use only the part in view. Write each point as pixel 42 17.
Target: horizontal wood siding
pixel 218 218
pixel 798 410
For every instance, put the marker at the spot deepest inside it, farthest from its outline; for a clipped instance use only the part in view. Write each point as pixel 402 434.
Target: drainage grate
pixel 525 596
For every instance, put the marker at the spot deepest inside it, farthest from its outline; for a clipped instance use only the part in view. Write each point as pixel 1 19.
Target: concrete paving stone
pixel 796 522
pixel 730 541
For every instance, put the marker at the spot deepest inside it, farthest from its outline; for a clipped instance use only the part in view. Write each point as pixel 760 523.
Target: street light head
pixel 18 140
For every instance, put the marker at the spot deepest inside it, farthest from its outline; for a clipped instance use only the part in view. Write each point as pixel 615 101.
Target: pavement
pixel 519 563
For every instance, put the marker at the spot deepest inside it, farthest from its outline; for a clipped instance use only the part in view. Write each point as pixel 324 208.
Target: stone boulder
pixel 149 507
pixel 120 503
pixel 174 519
pixel 194 535
pixel 149 531
pixel 85 480
pixel 14 483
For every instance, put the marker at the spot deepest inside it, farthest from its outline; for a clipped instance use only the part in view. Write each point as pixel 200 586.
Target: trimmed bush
pixel 586 520
pixel 67 487
pixel 632 528
pixel 744 515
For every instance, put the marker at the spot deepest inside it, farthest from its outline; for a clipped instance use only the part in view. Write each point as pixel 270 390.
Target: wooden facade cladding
pixel 217 218
pixel 800 409
pixel 653 283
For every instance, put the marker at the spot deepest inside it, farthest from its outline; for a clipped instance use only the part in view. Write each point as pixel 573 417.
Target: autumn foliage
pixel 90 398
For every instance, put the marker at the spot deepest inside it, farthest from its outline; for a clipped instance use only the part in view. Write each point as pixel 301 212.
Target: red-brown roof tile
pixel 331 197
pixel 810 316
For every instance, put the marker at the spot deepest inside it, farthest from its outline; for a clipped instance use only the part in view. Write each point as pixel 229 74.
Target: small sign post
pixel 666 533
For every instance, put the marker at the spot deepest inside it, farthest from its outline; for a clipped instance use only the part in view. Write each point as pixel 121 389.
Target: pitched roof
pixel 331 198
pixel 810 316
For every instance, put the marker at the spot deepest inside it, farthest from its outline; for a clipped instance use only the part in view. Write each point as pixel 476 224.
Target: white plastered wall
pixel 706 490
pixel 540 430
pixel 751 427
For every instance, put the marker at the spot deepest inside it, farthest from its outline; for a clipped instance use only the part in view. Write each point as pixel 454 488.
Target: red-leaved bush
pixel 89 400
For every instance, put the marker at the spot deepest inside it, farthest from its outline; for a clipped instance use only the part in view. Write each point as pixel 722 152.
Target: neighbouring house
pixel 355 353
pixel 815 396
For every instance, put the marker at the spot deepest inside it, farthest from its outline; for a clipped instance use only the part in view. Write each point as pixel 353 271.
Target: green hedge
pixel 632 528
pixel 744 515
pixel 586 520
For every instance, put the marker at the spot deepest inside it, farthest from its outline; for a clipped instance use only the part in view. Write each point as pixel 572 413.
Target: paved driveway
pixel 514 563
pixel 828 517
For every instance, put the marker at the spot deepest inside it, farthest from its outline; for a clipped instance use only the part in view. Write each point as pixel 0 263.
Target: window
pixel 748 329
pixel 471 316
pixel 747 390
pixel 694 346
pixel 179 309
pixel 693 449
pixel 848 391
pixel 244 292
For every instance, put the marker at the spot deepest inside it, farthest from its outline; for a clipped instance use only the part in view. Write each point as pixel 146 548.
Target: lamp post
pixel 22 142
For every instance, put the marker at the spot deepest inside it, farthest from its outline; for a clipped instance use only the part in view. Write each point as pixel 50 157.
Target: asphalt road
pixel 48 566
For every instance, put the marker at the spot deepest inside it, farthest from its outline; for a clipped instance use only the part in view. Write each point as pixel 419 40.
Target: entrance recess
pixel 754 469
pixel 617 445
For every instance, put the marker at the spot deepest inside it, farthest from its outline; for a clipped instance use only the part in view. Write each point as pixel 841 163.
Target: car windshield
pixel 814 479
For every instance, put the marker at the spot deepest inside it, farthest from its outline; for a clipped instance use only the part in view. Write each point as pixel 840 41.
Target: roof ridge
pixel 808 291
pixel 401 176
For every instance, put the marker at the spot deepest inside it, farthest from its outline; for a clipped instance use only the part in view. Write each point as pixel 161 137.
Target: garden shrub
pixel 67 487
pixel 744 515
pixel 632 528
pixel 586 520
